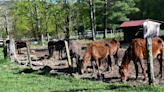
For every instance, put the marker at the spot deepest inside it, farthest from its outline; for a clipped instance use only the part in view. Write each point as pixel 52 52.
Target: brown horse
pixel 100 50
pixel 75 52
pixel 137 52
pixel 20 44
pixel 97 51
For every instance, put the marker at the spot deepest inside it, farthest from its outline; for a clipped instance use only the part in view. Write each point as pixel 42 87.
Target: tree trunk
pixel 91 19
pixel 48 38
pixel 5 49
pixel 32 24
pixel 105 19
pixel 57 35
pixel 67 19
pixel 42 40
pixel 38 21
pixel 6 20
pixel 94 17
pixel 67 27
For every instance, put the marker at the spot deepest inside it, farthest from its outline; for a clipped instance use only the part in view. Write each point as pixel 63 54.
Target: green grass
pixel 109 36
pixel 15 79
pixel 99 37
pixel 39 44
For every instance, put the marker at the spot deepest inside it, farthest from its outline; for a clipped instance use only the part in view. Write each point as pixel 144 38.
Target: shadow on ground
pixel 107 88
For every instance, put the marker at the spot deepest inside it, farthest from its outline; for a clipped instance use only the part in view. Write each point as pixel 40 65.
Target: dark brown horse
pixel 137 53
pixel 100 50
pixel 75 52
pixel 21 44
pixel 56 45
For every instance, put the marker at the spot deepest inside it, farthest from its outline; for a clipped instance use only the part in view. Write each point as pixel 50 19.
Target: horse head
pixel 81 66
pixel 124 73
pixel 123 68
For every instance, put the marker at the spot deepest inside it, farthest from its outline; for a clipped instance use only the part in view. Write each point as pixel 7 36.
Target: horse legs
pixel 161 65
pixel 77 62
pixel 136 67
pixel 97 62
pixel 112 60
pixel 59 55
pixel 93 66
pixel 19 50
pixel 161 68
pixel 143 69
pixel 72 61
pixel 108 62
pixel 117 56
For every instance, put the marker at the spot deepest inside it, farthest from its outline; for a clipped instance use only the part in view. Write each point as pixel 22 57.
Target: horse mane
pixel 88 51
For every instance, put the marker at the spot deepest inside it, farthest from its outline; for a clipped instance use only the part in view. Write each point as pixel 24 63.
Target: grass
pixel 99 37
pixel 39 44
pixel 83 41
pixel 15 79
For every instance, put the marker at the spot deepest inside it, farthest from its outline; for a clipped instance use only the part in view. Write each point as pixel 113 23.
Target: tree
pixel 105 19
pixel 92 19
pixel 117 12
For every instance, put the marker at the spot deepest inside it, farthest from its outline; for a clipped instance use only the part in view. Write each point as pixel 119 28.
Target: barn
pixel 146 28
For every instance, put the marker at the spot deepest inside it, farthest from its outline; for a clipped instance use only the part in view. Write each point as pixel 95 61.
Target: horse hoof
pixel 145 79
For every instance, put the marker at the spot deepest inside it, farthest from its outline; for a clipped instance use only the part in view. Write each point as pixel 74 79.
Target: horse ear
pixel 107 45
pixel 121 67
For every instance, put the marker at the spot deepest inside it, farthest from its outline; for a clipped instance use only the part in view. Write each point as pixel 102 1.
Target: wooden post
pixel 28 53
pixel 150 61
pixel 12 51
pixel 42 40
pixel 68 56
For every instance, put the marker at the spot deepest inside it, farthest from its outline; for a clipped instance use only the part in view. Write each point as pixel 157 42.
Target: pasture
pixel 60 66
pixel 53 75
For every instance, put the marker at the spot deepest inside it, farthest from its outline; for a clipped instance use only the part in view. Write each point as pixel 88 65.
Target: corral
pixel 56 66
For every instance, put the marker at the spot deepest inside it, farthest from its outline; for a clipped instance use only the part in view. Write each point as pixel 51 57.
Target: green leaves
pixel 49 13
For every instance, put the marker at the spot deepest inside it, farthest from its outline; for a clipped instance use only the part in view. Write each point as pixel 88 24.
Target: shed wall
pixel 151 29
pixel 132 33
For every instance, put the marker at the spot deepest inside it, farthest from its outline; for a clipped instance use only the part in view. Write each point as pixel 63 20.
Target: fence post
pixel 150 61
pixel 42 40
pixel 68 56
pixel 28 53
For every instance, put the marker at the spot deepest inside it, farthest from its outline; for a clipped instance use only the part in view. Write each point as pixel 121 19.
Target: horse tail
pixel 118 47
pixel 50 49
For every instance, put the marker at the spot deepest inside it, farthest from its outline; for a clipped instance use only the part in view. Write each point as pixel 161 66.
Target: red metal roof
pixel 132 23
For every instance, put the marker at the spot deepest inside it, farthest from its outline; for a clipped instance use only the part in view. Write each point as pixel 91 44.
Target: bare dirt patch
pixel 54 65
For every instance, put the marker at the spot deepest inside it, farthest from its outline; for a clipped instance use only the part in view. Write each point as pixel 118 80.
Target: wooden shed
pixel 146 28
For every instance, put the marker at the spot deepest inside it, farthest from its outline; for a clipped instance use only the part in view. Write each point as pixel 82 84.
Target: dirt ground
pixel 54 65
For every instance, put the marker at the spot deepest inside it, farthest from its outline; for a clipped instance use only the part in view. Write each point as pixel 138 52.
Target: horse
pixel 75 52
pixel 56 45
pixel 97 52
pixel 20 44
pixel 137 53
pixel 100 50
